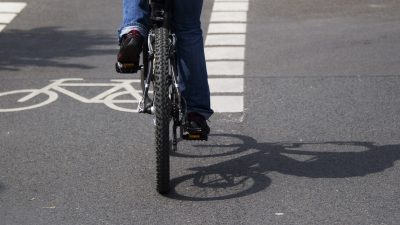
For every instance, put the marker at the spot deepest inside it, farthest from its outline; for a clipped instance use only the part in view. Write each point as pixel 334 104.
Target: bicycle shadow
pixel 304 159
pixel 50 46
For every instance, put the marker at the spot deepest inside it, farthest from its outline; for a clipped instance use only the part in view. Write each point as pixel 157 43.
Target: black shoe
pixel 196 127
pixel 129 52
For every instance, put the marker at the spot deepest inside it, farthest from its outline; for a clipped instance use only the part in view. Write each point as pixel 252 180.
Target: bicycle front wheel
pixel 162 106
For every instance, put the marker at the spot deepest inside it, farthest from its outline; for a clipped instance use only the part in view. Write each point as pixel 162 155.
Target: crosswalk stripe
pixel 225 39
pixel 227 28
pixel 229 68
pixel 231 104
pixel 222 85
pixel 225 54
pixel 231 6
pixel 8 11
pixel 228 17
pixel 12 7
pixel 7 17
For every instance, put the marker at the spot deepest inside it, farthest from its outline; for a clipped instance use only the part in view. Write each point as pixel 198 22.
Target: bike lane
pixel 320 108
pixel 303 150
pixel 75 161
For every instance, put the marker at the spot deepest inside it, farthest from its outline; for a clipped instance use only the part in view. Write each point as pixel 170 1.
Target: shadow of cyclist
pixel 51 47
pixel 305 159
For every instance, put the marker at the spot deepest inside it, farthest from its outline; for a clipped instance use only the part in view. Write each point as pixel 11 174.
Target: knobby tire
pixel 162 109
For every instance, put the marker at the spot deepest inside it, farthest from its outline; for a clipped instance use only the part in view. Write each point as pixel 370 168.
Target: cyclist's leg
pixel 191 59
pixel 131 35
pixel 135 16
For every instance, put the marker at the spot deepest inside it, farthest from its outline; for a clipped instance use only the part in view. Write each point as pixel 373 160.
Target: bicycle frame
pixel 160 17
pixel 160 13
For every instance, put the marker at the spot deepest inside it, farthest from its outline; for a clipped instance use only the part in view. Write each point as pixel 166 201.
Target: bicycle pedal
pixel 195 136
pixel 126 67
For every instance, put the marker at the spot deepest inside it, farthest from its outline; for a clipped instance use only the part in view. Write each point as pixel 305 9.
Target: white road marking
pixel 235 68
pixel 232 104
pixel 227 28
pixel 8 11
pixel 228 17
pixel 52 96
pixel 231 6
pixel 224 53
pixel 12 7
pixel 108 97
pixel 117 88
pixel 377 6
pixel 7 17
pixel 225 39
pixel 222 85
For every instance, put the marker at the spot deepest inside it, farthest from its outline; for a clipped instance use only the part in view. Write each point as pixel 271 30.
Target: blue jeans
pixel 190 50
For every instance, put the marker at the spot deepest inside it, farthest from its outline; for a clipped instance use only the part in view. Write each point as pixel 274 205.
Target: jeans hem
pixel 126 28
pixel 205 113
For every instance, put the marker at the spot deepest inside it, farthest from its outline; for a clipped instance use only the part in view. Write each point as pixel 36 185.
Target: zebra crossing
pixel 8 11
pixel 225 54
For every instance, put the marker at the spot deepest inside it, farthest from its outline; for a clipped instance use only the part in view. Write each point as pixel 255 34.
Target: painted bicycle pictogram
pixel 118 87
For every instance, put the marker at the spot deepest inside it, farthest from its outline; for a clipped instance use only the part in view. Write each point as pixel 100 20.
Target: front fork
pixel 178 103
pixel 146 105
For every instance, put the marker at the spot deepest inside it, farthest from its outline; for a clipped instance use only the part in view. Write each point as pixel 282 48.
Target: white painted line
pixel 226 39
pixel 225 85
pixel 231 6
pixel 7 17
pixel 228 17
pixel 376 6
pixel 224 53
pixel 235 68
pixel 227 28
pixel 12 7
pixel 8 11
pixel 230 104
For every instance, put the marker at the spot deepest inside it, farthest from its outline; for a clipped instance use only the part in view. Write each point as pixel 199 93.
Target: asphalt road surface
pixel 313 137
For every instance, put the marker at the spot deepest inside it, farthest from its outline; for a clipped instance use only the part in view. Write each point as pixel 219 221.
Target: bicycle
pixel 159 69
pixel 117 88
